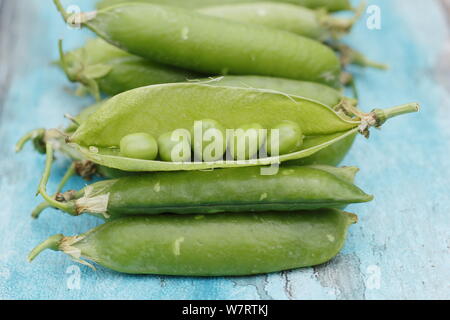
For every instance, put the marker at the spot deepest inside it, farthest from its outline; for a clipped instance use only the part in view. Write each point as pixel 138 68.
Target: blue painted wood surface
pixel 399 249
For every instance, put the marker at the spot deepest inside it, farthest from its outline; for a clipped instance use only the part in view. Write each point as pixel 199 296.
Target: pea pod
pixel 329 156
pixel 98 53
pixel 206 192
pixel 163 108
pixel 329 5
pixel 299 20
pixel 201 43
pixel 100 66
pixel 315 91
pixel 212 245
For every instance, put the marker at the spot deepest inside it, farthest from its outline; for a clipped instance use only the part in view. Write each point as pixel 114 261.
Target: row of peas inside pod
pixel 186 188
pixel 209 141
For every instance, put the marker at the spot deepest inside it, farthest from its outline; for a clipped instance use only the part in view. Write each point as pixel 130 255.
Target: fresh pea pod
pixel 311 90
pixel 98 52
pixel 332 155
pixel 201 43
pixel 212 245
pixel 329 5
pixel 329 156
pixel 206 192
pixel 164 108
pixel 100 66
pixel 283 16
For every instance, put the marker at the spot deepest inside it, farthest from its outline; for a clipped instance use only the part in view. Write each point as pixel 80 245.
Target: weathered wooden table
pixel 400 248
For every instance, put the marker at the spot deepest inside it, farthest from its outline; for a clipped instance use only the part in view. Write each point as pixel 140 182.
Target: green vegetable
pixel 247 141
pixel 163 108
pixel 284 138
pixel 99 66
pixel 288 17
pixel 330 5
pixel 215 191
pixel 175 147
pixel 201 43
pixel 209 140
pixel 139 146
pixel 212 245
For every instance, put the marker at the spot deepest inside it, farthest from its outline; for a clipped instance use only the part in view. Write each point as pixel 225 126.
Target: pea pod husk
pixel 329 156
pixel 123 72
pixel 101 67
pixel 215 191
pixel 164 108
pixel 190 40
pixel 212 245
pixel 329 5
pixel 313 24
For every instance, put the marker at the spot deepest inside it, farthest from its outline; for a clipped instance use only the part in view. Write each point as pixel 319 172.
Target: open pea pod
pixel 163 108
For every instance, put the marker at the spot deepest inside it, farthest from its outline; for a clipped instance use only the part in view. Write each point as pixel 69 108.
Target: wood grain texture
pixel 399 250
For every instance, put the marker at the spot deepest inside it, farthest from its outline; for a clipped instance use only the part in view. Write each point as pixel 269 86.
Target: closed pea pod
pixel 231 190
pixel 330 5
pixel 124 71
pixel 311 90
pixel 178 105
pixel 100 66
pixel 302 21
pixel 207 44
pixel 212 245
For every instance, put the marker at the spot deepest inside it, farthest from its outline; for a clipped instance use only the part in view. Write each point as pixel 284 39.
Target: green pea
pixel 175 146
pixel 284 138
pixel 209 140
pixel 139 146
pixel 247 141
pixel 212 245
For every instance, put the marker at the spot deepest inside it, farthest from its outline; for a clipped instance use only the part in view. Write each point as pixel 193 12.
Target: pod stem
pixel 61 10
pixel 77 76
pixel 353 56
pixel 45 205
pixel 382 115
pixel 63 61
pixel 51 243
pixel 32 135
pixel 378 117
pixel 68 207
pixel 340 26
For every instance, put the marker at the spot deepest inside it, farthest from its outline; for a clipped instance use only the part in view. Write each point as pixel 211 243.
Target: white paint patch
pixel 177 245
pixel 185 33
